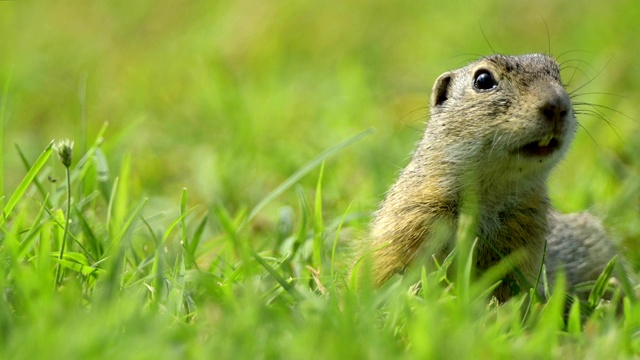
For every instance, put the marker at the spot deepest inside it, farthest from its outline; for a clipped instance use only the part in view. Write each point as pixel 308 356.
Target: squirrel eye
pixel 484 81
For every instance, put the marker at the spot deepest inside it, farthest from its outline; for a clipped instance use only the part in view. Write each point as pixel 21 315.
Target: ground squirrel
pixel 497 128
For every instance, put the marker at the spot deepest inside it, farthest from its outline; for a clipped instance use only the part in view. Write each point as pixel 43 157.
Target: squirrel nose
pixel 554 111
pixel 556 106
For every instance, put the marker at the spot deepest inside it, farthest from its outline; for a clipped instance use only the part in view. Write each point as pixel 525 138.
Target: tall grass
pixel 216 214
pixel 194 284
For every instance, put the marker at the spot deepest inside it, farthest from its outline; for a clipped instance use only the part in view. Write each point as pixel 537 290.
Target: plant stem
pixel 66 229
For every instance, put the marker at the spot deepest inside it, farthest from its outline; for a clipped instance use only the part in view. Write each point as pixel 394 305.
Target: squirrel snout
pixel 556 106
pixel 554 111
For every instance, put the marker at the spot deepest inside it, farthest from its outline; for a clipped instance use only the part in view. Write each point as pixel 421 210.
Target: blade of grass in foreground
pixel 24 184
pixel 600 286
pixel 243 250
pixel 39 185
pixel 335 242
pixel 3 111
pixel 302 172
pixel 318 227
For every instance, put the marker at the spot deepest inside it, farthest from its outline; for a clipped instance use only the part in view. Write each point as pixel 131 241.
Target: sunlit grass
pixel 217 213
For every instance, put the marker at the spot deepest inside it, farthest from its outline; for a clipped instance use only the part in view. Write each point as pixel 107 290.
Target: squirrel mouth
pixel 543 147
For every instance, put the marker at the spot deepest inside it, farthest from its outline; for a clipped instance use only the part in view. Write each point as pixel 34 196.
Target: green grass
pixel 215 215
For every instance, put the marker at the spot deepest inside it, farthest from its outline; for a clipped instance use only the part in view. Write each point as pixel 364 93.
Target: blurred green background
pixel 228 98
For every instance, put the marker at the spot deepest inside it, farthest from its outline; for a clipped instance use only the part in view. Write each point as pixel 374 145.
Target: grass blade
pixel 26 181
pixel 600 286
pixel 39 185
pixel 318 228
pixel 303 171
pixel 3 111
pixel 335 241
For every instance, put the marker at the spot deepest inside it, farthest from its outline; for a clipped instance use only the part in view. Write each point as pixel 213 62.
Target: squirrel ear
pixel 440 92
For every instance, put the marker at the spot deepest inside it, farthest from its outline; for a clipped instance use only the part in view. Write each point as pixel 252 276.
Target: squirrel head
pixel 507 114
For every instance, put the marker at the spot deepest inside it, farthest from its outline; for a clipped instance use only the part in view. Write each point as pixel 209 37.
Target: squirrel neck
pixel 433 191
pixel 440 184
pixel 459 175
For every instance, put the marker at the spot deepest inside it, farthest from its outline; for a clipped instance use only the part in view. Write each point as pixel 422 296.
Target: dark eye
pixel 484 81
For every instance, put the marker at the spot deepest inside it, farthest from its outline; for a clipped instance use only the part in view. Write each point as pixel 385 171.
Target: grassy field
pixel 224 165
